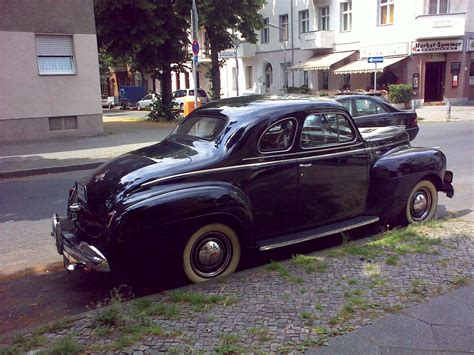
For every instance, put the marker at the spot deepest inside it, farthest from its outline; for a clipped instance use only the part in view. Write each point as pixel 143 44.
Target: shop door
pixel 434 81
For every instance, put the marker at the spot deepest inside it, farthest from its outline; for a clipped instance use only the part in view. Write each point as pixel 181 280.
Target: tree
pixel 218 18
pixel 151 34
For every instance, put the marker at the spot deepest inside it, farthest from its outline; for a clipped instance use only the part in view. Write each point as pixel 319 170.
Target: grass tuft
pixel 309 263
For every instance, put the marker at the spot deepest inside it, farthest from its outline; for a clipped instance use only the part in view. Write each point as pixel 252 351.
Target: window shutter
pixel 47 45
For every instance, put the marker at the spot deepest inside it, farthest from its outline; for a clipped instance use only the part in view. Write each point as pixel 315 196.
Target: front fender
pixel 168 218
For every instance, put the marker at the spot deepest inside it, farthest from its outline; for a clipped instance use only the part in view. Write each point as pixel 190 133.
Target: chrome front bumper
pixel 76 254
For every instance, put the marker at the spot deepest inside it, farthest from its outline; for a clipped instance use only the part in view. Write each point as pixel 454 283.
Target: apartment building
pixel 49 71
pixel 325 45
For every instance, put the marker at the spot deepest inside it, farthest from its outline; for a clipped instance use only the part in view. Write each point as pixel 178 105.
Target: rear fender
pixel 395 173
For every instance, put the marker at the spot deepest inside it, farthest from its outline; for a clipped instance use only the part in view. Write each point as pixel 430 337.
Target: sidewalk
pixel 371 296
pixel 440 113
pixel 121 135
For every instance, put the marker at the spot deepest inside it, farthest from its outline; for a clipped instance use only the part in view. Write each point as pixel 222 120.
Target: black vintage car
pixel 372 111
pixel 253 172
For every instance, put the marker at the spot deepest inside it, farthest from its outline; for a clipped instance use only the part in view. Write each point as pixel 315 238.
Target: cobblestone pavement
pixel 287 306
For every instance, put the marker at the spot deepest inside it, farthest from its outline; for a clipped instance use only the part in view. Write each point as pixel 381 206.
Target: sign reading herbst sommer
pixel 437 46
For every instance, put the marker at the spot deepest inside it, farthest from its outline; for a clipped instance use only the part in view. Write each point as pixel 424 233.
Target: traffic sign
pixel 195 47
pixel 375 59
pixel 226 55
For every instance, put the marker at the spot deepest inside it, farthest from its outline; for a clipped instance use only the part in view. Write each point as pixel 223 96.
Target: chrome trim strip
pixel 385 145
pixel 316 236
pixel 358 144
pixel 251 165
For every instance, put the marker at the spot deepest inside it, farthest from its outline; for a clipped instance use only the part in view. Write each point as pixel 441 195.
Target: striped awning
pixel 322 61
pixel 361 66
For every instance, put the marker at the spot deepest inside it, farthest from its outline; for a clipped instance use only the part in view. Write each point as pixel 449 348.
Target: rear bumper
pixel 76 254
pixel 412 132
pixel 447 186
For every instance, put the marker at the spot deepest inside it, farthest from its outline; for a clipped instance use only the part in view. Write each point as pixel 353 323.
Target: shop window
pixel 324 18
pixel 249 77
pixel 346 16
pixel 436 7
pixel 283 28
pixel 386 12
pixel 471 73
pixel 234 78
pixel 305 78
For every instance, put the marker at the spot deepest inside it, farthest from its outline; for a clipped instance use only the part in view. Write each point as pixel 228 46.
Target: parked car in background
pixel 146 102
pixel 107 101
pixel 179 95
pixel 373 111
pixel 250 172
pixel 130 95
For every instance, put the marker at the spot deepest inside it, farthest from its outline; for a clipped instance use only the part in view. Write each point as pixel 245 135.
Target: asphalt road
pixel 34 288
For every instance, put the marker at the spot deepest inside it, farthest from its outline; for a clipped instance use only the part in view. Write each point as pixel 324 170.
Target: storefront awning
pixel 361 66
pixel 321 62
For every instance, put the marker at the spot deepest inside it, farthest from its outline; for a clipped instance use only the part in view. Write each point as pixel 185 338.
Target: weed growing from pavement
pixel 278 267
pixel 392 260
pixel 461 280
pixel 200 302
pixel 228 345
pixel 419 286
pixel 22 343
pixel 260 333
pixel 319 307
pixel 66 345
pixel 309 263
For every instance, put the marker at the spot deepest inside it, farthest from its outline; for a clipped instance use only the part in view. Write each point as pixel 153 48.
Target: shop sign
pixel 385 50
pixel 437 46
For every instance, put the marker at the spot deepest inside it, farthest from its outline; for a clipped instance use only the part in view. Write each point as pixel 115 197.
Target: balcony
pixel 246 50
pixel 440 26
pixel 317 40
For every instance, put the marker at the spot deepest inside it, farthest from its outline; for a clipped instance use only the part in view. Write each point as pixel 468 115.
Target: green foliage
pixel 162 111
pixel 66 345
pixel 400 93
pixel 218 17
pixel 309 263
pixel 299 90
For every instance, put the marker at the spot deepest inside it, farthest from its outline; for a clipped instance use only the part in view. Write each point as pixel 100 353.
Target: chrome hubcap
pixel 421 204
pixel 211 254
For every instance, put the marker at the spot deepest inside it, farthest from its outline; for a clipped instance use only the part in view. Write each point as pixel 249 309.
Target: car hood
pixel 119 176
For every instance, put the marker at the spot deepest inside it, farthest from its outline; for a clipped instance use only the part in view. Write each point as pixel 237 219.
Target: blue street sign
pixel 195 47
pixel 375 59
pixel 195 58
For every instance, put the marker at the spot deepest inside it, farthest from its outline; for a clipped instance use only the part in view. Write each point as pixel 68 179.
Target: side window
pixel 278 137
pixel 364 107
pixel 347 104
pixel 201 93
pixel 325 129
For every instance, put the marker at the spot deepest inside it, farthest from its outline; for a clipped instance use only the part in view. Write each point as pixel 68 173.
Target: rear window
pixel 201 93
pixel 204 127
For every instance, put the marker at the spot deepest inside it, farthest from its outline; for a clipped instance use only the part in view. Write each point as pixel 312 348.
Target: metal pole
pixel 236 67
pixel 194 26
pixel 375 77
pixel 292 48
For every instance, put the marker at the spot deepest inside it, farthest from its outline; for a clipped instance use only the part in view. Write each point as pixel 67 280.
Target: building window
pixel 178 82
pixel 55 55
pixel 305 78
pixel 436 7
pixel 324 18
pixel 285 75
pixel 265 33
pixel 186 80
pixel 386 11
pixel 346 16
pixel 234 78
pixel 324 80
pixel 304 21
pixel 62 123
pixel 283 28
pixel 249 77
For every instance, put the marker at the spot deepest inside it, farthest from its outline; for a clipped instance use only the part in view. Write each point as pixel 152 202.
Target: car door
pixel 332 170
pixel 369 112
pixel 271 183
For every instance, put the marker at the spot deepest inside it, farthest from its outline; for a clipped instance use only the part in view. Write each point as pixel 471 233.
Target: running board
pixel 304 236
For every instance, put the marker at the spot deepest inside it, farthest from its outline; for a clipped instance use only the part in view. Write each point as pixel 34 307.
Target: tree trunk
pixel 215 69
pixel 166 94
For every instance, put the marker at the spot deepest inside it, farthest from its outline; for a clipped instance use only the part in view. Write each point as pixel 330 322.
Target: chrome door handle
pixel 305 165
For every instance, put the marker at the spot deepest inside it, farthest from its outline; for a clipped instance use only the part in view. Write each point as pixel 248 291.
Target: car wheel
pixel 181 106
pixel 212 251
pixel 421 204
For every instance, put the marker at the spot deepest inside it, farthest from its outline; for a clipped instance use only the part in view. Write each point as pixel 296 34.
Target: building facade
pixel 49 72
pixel 326 45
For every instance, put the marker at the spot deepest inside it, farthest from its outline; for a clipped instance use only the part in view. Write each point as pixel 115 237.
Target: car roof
pixel 256 107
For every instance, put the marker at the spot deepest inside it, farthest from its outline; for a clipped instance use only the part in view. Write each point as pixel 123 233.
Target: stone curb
pixel 49 170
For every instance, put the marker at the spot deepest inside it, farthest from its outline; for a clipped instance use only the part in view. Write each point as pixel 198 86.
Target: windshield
pixel 204 127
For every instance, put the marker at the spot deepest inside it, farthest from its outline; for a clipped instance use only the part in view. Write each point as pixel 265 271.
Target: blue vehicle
pixel 130 95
